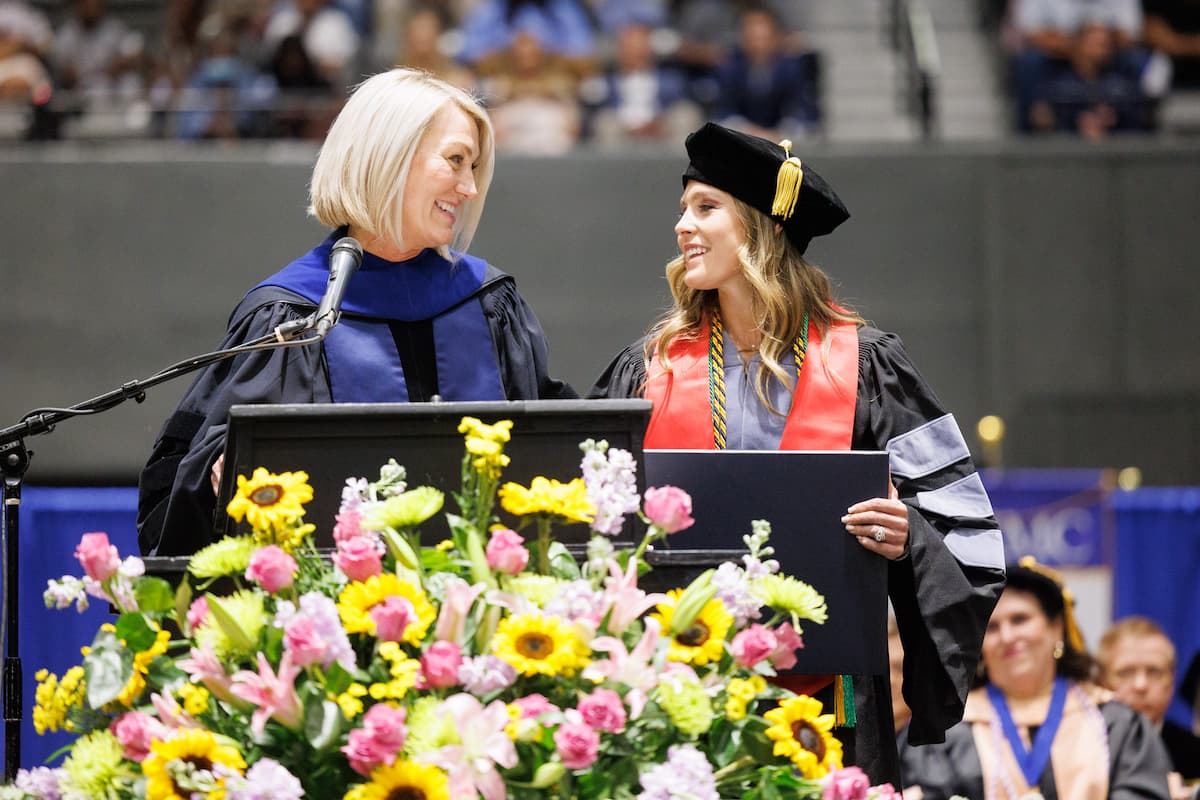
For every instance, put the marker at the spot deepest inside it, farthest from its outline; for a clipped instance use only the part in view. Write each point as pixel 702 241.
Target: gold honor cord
pixel 716 371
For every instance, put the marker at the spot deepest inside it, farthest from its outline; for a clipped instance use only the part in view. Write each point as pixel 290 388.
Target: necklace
pixel 716 370
pixel 1032 762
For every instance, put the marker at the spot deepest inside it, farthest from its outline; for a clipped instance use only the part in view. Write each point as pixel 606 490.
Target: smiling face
pixel 1018 647
pixel 709 234
pixel 440 180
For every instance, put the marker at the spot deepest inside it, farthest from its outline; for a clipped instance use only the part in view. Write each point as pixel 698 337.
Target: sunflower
pixel 785 593
pixel 181 767
pixel 702 641
pixel 534 644
pixel 270 501
pixel 566 501
pixel 403 779
pixel 802 734
pixel 359 597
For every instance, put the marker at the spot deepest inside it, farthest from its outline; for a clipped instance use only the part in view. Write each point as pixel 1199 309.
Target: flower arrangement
pixel 481 662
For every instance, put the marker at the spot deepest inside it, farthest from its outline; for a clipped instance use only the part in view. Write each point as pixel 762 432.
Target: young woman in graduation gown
pixel 404 170
pixel 755 354
pixel 1036 726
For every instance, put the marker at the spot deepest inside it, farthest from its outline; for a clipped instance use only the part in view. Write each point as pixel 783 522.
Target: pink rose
pixel 440 663
pixel 348 526
pixel 788 642
pixel 391 617
pixel 578 745
pixel 506 552
pixel 850 783
pixel 668 507
pixel 301 639
pixel 379 739
pixel 272 569
pixel 534 705
pixel 753 645
pixel 100 559
pixel 198 611
pixel 885 791
pixel 603 710
pixel 135 731
pixel 358 558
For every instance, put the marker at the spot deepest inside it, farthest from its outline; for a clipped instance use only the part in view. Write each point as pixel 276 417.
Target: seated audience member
pixel 328 34
pixel 532 94
pixel 419 45
pixel 489 30
pixel 637 98
pixel 225 97
pixel 1137 661
pixel 1092 97
pixel 1046 38
pixel 97 53
pixel 305 104
pixel 763 89
pixel 1189 690
pixel 24 35
pixel 1173 29
pixel 1036 725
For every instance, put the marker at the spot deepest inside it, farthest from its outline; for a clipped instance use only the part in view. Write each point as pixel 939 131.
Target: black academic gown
pixel 175 498
pixel 1184 748
pixel 942 600
pixel 1137 761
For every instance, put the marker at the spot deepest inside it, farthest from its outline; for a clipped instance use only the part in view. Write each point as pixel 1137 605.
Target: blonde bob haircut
pixel 783 286
pixel 363 166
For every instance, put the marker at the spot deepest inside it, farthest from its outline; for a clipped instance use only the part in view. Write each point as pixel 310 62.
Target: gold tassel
pixel 787 183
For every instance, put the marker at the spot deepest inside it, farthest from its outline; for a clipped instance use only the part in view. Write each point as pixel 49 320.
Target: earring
pixel 1058 650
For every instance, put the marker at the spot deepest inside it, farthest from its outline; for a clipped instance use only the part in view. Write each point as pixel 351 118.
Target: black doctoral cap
pixel 765 176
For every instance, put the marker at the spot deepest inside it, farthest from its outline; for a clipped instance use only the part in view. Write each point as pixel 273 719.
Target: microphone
pixel 344 261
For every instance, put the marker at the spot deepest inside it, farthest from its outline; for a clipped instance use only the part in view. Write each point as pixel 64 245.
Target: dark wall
pixel 1052 285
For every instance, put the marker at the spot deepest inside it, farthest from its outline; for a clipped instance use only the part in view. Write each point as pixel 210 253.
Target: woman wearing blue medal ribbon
pixel 404 170
pixel 1037 726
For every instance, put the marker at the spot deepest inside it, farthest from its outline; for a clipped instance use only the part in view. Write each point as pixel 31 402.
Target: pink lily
pixel 628 602
pixel 631 668
pixel 204 666
pixel 484 745
pixel 171 713
pixel 452 620
pixel 275 695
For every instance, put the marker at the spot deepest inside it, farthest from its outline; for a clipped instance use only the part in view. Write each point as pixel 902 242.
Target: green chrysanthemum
pixel 687 704
pixel 230 556
pixel 429 728
pixel 405 511
pixel 245 610
pixel 96 768
pixel 785 593
pixel 537 589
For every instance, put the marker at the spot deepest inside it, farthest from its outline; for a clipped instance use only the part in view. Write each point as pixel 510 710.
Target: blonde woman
pixel 404 170
pixel 756 354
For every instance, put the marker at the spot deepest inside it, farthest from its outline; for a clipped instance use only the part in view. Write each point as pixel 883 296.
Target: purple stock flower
pixel 687 774
pixel 610 475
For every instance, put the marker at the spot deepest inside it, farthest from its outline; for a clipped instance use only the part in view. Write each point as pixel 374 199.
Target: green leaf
pixel 756 741
pixel 322 721
pixel 137 633
pixel 241 640
pixel 153 594
pixel 337 679
pixel 562 563
pixel 183 601
pixel 107 667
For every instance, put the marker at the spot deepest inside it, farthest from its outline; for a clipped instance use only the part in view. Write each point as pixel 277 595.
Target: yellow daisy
pixel 359 597
pixel 539 645
pixel 802 733
pixel 702 641
pixel 181 766
pixel 403 779
pixel 269 501
pixel 566 501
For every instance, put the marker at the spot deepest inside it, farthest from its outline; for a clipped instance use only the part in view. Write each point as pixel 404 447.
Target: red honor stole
pixel 822 412
pixel 821 417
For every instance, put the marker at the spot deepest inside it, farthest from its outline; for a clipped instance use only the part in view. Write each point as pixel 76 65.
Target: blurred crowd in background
pixel 555 73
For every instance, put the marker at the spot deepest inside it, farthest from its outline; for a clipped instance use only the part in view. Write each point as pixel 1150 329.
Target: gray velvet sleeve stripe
pixel 977 547
pixel 924 450
pixel 964 498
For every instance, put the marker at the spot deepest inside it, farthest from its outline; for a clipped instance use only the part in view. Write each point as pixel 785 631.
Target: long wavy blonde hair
pixel 784 286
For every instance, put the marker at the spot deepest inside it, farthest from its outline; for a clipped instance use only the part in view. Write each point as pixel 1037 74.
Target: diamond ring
pixel 880 533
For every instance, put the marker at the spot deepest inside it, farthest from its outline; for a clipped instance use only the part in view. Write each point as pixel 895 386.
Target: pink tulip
pixel 100 559
pixel 378 741
pixel 669 508
pixel 304 642
pixel 788 642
